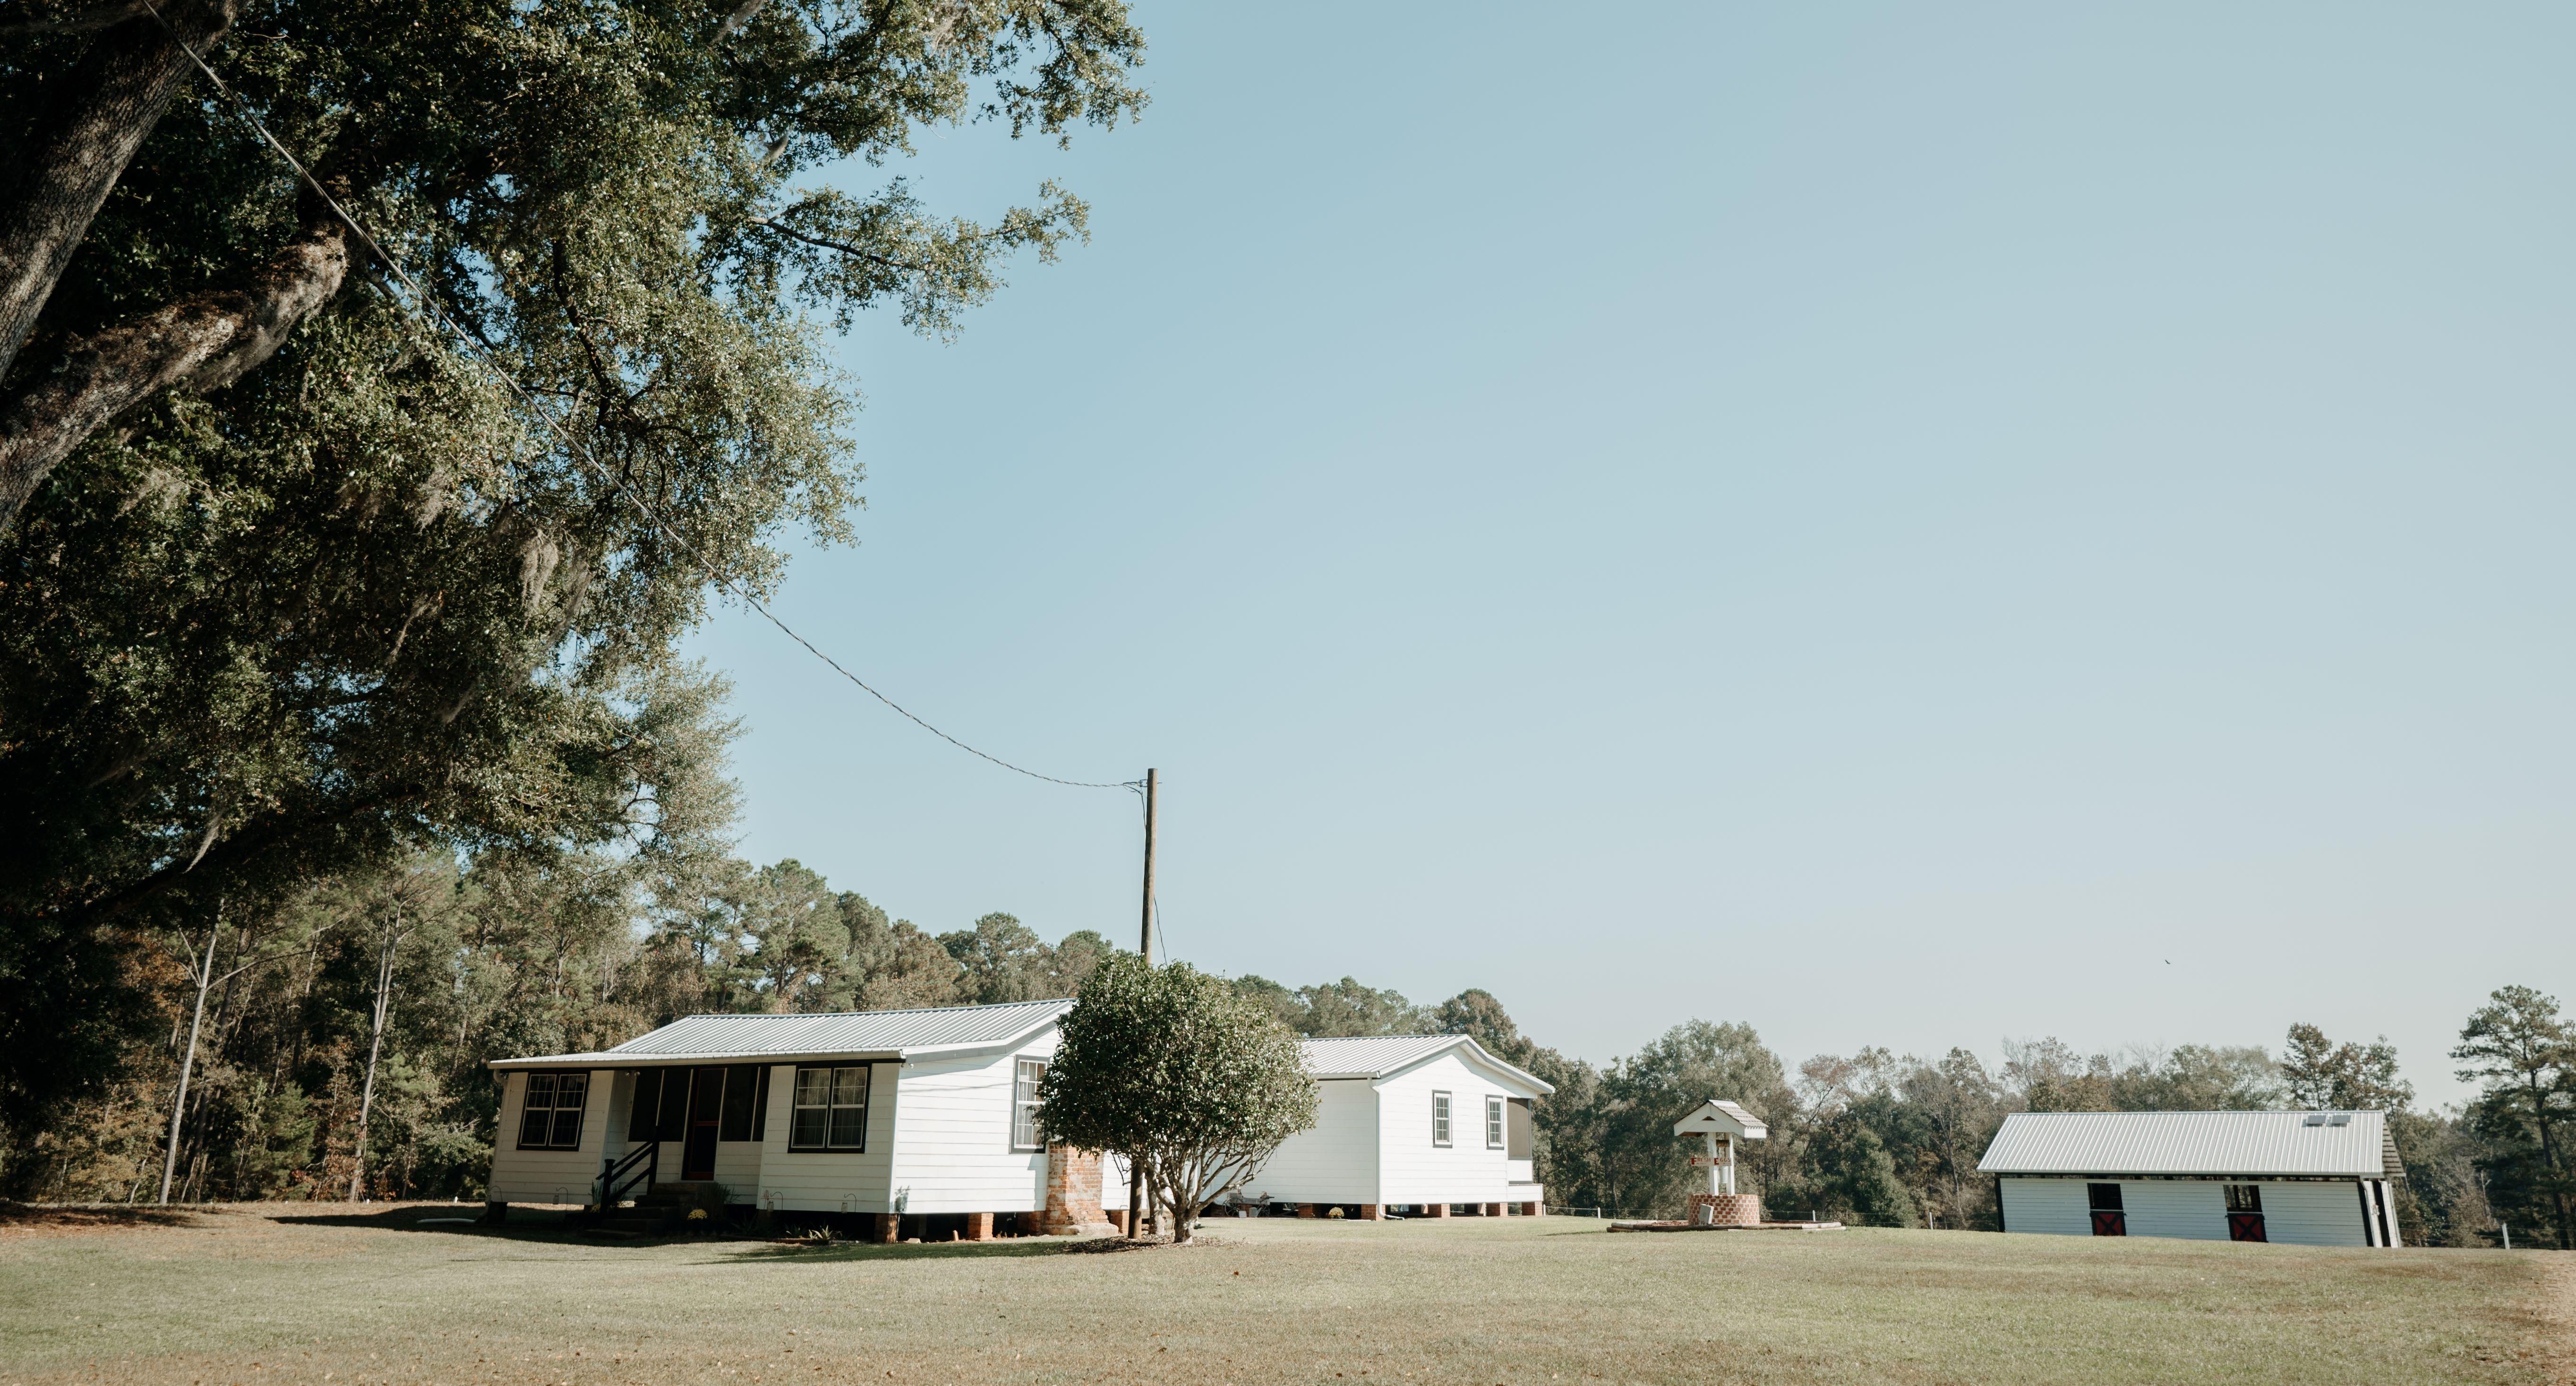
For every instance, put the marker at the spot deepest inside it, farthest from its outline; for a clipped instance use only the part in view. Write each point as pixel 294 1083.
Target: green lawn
pixel 278 1294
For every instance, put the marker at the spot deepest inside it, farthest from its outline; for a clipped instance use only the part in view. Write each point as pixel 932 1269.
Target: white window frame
pixel 1025 1133
pixel 828 1089
pixel 1494 1127
pixel 1440 1109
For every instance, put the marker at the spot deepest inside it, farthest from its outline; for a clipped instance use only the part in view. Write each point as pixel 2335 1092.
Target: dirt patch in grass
pixel 2557 1310
pixel 1108 1244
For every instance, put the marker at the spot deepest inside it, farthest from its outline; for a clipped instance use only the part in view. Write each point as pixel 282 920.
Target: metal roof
pixel 1719 1115
pixel 707 1038
pixel 1376 1056
pixel 2347 1144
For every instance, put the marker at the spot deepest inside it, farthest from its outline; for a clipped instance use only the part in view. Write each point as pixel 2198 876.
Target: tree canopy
pixel 1192 1082
pixel 293 578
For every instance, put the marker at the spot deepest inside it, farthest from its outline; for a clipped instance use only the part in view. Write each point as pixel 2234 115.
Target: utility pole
pixel 1153 783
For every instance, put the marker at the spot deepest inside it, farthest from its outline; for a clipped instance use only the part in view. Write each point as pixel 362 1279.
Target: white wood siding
pixel 2047 1206
pixel 1336 1160
pixel 2174 1208
pixel 738 1164
pixel 838 1181
pixel 549 1176
pixel 2296 1212
pixel 2314 1214
pixel 1410 1168
pixel 953 1142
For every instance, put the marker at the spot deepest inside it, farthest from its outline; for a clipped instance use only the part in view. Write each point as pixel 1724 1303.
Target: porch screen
pixel 644 1116
pixel 831 1111
pixel 550 1115
pixel 742 1088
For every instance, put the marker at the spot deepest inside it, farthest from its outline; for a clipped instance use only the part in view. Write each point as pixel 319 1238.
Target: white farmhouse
pixel 2314 1178
pixel 924 1119
pixel 1411 1123
pixel 924 1123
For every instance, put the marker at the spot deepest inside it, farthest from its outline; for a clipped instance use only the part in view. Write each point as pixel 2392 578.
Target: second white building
pixel 2314 1178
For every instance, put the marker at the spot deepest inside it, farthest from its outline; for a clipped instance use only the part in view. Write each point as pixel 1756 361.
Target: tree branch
pixel 81 147
pixel 200 343
pixel 90 20
pixel 844 248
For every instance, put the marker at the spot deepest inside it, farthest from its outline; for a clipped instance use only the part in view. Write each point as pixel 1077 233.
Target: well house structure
pixel 2314 1178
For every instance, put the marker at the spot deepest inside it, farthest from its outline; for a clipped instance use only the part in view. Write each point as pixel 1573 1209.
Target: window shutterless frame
pixel 550 1111
pixel 829 1109
pixel 1025 1135
pixel 1493 1123
pixel 1440 1118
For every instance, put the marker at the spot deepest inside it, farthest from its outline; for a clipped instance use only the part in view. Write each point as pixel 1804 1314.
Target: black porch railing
pixel 620 1178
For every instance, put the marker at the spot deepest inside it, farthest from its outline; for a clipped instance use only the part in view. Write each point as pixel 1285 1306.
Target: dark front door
pixel 706 1112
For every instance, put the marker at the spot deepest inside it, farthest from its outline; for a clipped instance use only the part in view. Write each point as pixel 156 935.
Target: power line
pixel 478 348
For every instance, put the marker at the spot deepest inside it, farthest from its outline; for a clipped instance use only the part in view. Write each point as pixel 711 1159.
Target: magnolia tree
pixel 1170 1068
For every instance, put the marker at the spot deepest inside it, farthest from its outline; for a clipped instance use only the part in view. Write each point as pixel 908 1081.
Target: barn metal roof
pixel 2347 1144
pixel 904 1034
pixel 1376 1056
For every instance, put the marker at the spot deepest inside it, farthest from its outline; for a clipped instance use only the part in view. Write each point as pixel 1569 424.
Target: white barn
pixel 2312 1178
pixel 925 1122
pixel 1421 1123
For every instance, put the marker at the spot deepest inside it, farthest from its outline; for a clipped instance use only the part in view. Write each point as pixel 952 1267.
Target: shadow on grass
pixel 439 1217
pixel 771 1252
pixel 89 1217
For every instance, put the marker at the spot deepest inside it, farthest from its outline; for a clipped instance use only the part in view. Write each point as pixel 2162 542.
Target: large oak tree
pixel 290 575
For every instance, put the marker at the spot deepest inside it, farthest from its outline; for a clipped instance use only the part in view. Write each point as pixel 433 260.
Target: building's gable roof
pixel 896 1034
pixel 1724 1118
pixel 2342 1144
pixel 1380 1056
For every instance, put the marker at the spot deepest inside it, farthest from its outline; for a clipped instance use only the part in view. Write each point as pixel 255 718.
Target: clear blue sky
pixel 1889 523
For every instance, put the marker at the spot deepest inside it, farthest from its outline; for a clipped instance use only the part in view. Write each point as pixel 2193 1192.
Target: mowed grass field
pixel 284 1293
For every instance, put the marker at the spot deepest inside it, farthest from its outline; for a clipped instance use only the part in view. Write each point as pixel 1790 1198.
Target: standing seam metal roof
pixel 2210 1143
pixel 1375 1056
pixel 849 1032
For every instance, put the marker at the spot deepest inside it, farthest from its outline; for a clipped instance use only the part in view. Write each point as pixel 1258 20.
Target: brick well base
pixel 1732 1210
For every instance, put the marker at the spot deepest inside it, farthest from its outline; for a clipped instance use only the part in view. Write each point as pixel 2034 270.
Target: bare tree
pixel 201 976
pixel 407 904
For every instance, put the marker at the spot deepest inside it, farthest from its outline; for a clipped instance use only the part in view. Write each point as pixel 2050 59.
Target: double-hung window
pixel 831 1109
pixel 1439 1118
pixel 1025 1134
pixel 550 1114
pixel 1493 1123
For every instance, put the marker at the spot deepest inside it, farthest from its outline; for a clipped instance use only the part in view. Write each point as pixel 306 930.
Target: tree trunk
pixel 375 1046
pixel 188 1057
pixel 201 342
pixel 109 103
pixel 2549 1160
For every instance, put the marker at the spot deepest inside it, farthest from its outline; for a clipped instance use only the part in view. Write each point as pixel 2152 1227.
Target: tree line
pixel 335 1047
